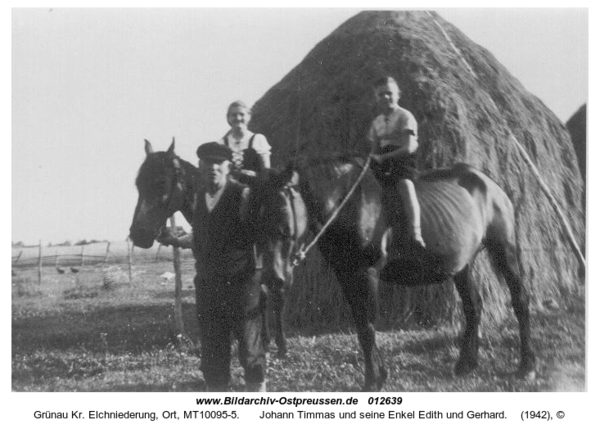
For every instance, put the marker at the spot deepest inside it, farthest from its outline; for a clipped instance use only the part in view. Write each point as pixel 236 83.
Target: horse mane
pixel 330 178
pixel 339 169
pixel 159 164
pixel 332 161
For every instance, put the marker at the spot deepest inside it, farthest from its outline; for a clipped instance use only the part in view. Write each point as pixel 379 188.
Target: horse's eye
pixel 159 187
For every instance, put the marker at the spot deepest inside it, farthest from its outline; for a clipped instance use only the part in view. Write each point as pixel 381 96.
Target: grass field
pixel 94 331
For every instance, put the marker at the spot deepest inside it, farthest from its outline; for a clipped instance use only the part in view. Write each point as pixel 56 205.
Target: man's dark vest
pixel 222 241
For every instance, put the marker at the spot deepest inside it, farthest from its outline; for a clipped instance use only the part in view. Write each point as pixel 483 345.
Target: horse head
pixel 281 217
pixel 162 186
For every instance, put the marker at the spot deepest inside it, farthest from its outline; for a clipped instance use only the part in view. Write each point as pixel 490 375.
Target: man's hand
pixel 376 158
pixel 166 238
pixel 183 240
pixel 237 173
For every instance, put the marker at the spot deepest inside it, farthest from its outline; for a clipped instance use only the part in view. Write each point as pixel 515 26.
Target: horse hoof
pixel 526 374
pixel 382 379
pixel 256 387
pixel 464 367
pixel 376 385
pixel 372 387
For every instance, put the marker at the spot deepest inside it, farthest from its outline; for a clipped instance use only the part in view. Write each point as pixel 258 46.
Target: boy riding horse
pixel 393 139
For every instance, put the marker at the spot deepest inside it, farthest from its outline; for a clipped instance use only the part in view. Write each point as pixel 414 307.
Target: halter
pixel 177 184
pixel 301 254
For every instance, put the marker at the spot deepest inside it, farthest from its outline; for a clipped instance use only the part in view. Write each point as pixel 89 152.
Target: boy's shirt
pixel 389 130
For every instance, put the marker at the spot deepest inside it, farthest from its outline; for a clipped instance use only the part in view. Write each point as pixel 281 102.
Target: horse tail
pixel 501 236
pixel 505 254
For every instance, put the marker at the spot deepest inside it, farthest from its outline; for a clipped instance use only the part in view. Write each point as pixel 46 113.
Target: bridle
pixel 178 184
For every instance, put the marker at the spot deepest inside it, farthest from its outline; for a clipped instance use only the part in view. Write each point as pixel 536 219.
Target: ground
pixel 96 331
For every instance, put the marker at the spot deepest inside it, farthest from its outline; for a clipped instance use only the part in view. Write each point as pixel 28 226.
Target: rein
pixel 301 254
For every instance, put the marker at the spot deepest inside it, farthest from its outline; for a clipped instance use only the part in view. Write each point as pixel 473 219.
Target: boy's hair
pixel 386 80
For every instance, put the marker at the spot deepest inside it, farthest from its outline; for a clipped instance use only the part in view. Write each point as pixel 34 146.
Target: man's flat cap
pixel 214 151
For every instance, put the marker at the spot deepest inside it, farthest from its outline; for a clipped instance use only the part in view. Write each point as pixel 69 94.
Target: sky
pixel 89 85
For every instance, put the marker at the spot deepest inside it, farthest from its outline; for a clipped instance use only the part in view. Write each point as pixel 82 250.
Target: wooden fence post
pixel 178 285
pixel 18 257
pixel 82 248
pixel 106 254
pixel 40 265
pixel 157 252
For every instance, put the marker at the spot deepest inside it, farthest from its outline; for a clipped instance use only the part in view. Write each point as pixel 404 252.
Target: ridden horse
pixel 462 211
pixel 167 184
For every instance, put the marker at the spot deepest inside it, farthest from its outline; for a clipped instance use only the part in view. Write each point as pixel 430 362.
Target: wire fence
pixel 120 252
pixel 73 258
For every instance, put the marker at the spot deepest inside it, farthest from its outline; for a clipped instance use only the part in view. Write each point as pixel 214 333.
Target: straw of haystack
pixel 469 109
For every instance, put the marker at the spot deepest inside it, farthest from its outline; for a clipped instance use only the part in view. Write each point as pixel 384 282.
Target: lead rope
pixel 301 254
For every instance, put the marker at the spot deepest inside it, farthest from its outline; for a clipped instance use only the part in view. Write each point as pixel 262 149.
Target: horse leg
pixel 361 291
pixel 265 331
pixel 278 303
pixel 505 256
pixel 471 301
pixel 274 303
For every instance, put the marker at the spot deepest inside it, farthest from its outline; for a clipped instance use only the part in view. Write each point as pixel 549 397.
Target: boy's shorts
pixel 391 171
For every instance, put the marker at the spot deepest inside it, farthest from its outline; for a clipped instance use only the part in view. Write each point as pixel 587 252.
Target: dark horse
pixel 462 211
pixel 167 184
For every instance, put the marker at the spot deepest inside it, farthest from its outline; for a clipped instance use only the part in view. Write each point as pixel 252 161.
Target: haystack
pixel 470 109
pixel 577 126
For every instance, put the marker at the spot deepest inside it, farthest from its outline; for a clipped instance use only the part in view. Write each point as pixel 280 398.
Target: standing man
pixel 228 292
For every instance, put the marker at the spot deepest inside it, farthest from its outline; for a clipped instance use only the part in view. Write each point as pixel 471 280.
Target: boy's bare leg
pixel 406 189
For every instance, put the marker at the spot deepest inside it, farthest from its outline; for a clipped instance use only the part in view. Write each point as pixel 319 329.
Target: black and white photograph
pixel 288 200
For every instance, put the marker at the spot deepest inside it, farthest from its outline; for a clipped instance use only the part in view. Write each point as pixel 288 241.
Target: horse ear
pixel 289 176
pixel 171 149
pixel 295 179
pixel 148 147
